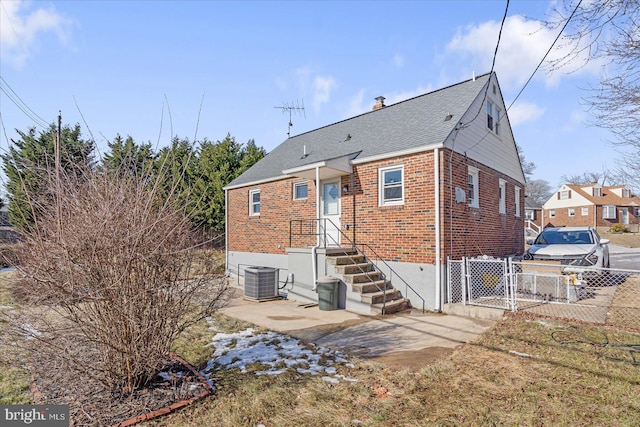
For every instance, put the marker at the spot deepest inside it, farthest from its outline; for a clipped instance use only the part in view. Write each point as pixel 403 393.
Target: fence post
pixel 463 280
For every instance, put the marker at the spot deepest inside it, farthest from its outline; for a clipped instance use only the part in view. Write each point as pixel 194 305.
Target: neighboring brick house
pixel 393 192
pixel 592 204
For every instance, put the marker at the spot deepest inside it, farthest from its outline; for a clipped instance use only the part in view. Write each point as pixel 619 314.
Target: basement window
pixel 391 185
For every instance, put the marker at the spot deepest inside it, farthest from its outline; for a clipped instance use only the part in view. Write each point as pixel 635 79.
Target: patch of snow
pixel 331 380
pixel 277 352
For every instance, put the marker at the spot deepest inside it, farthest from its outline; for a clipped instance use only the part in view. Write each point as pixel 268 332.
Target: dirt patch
pixel 90 404
pixel 414 360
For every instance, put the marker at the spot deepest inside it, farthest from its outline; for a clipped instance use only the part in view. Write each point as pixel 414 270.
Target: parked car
pixel 574 246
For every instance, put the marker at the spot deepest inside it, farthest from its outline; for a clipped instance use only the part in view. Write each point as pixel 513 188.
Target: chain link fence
pixel 598 295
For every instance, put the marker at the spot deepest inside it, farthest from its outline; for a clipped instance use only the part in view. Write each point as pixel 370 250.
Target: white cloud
pixel 357 105
pixel 21 28
pixel 522 112
pixel 577 120
pixel 398 60
pixel 523 44
pixel 322 88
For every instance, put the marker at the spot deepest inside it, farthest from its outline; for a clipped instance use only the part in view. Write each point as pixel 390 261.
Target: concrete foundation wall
pixel 297 264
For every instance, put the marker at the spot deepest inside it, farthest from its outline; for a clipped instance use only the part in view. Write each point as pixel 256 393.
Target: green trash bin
pixel 328 288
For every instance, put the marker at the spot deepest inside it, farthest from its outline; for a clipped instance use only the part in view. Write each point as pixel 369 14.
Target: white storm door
pixel 625 216
pixel 330 210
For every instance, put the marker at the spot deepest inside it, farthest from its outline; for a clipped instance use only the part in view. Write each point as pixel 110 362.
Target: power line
pixel 493 64
pixel 532 74
pixel 22 106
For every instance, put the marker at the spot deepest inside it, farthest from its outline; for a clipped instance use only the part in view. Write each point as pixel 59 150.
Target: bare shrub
pixel 118 265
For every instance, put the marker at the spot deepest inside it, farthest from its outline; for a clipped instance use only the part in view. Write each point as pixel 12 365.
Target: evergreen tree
pixel 30 162
pixel 127 157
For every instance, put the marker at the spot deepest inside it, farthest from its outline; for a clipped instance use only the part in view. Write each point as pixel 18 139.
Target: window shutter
pixel 558 195
pixel 569 193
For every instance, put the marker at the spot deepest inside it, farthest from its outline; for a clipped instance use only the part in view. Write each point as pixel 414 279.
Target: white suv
pixel 576 246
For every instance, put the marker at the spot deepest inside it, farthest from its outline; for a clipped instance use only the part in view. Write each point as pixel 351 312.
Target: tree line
pixel 193 172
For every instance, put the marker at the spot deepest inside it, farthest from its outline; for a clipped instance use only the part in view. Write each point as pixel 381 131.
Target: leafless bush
pixel 118 265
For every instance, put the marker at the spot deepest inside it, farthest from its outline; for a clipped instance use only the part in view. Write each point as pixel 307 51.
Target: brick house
pixel 592 204
pixel 380 200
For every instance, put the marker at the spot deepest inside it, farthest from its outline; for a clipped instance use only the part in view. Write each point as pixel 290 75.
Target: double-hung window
pixel 254 202
pixel 552 213
pixel 473 187
pixel 571 212
pixel 391 185
pixel 502 203
pixel 493 117
pixel 608 212
pixel 585 210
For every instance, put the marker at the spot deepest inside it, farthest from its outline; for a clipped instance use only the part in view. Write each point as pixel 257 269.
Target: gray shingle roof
pixel 406 125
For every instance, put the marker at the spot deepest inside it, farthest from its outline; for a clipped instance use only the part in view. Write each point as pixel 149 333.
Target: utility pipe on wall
pixel 314 258
pixel 436 172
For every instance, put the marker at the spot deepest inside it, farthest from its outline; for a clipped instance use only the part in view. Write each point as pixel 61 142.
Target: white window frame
pixel 637 213
pixel 252 204
pixel 502 197
pixel 571 211
pixel 609 212
pixel 473 192
pixel 552 213
pixel 382 186
pixel 297 185
pixel 529 214
pixel 585 210
pixel 626 193
pixel 516 193
pixel 597 191
pixel 493 117
pixel 563 195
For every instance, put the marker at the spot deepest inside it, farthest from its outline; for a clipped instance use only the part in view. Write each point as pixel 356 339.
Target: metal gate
pixel 487 283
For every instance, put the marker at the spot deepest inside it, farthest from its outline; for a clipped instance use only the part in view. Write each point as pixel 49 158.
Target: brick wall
pixel 472 231
pixel 402 233
pixel 269 231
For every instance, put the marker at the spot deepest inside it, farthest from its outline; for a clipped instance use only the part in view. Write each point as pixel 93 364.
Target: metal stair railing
pixel 356 247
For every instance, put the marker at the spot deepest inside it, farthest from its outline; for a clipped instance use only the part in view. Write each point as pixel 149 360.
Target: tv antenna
pixel 290 108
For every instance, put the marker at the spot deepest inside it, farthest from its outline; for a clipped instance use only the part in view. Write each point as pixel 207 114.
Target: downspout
pixel 226 233
pixel 314 258
pixel 436 172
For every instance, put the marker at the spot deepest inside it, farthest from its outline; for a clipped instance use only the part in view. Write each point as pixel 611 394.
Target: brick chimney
pixel 379 104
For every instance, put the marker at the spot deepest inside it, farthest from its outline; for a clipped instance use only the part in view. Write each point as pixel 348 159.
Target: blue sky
pixel 149 68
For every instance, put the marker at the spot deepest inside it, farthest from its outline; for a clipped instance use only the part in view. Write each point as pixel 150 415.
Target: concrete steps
pixel 363 278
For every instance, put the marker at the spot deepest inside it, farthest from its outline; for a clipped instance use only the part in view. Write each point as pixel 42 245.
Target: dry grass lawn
pixel 515 374
pixel 629 240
